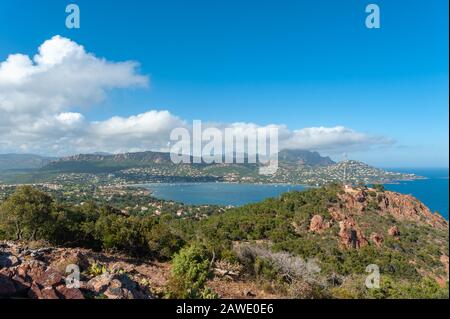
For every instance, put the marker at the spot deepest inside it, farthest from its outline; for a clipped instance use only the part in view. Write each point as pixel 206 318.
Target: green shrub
pixel 190 271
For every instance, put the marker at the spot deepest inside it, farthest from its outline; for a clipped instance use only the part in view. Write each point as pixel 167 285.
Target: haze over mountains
pixel 23 161
pixel 31 161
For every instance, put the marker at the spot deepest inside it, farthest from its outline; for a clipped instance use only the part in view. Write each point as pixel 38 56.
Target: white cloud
pixel 40 101
pixel 332 139
pixel 61 76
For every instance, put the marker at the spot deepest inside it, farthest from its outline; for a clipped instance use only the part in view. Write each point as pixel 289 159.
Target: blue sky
pixel 298 63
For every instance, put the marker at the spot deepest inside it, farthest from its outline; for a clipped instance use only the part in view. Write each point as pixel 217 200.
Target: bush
pixel 190 271
pixel 379 188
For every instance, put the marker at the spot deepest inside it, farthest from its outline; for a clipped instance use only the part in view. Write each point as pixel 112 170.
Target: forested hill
pixel 312 244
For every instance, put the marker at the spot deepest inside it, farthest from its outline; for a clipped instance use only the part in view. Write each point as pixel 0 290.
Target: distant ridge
pixel 304 157
pixel 23 161
pixel 293 157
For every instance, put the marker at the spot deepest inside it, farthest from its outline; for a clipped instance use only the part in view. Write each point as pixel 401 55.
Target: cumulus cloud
pixel 332 139
pixel 41 96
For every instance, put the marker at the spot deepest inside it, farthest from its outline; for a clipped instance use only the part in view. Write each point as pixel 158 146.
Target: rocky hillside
pixel 45 273
pixel 367 217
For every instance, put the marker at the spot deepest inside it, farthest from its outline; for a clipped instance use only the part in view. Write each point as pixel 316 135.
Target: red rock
pixel 100 283
pixel 35 291
pixel 71 257
pixel 346 228
pixel 377 239
pixel 317 224
pixel 69 293
pixel 50 278
pixel 49 293
pixel 31 270
pixel 394 231
pixel 116 286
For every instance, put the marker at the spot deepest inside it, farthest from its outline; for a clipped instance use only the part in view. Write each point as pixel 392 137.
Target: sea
pixel 432 191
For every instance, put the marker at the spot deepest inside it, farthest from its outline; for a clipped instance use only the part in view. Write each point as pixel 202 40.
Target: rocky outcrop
pixel 355 203
pixel 350 235
pixel 400 207
pixel 318 225
pixel 41 274
pixel 377 239
pixel 408 208
pixel 394 231
pixel 116 286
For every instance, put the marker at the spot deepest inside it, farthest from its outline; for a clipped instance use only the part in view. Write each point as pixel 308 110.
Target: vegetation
pixel 270 240
pixel 190 271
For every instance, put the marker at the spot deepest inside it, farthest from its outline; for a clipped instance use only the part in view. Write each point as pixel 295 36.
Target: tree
pixel 27 214
pixel 379 187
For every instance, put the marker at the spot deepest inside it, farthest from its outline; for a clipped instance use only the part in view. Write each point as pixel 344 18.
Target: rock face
pixel 318 225
pixel 41 274
pixel 407 208
pixel 355 203
pixel 377 239
pixel 400 207
pixel 350 235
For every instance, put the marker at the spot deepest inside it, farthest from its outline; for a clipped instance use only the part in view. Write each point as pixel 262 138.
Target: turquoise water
pixel 432 191
pixel 218 193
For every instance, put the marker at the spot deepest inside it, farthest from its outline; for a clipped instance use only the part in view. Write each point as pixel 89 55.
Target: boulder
pixel 49 278
pixel 100 283
pixel 31 270
pixel 49 293
pixel 116 286
pixel 394 231
pixel 69 293
pixel 8 260
pixel 70 258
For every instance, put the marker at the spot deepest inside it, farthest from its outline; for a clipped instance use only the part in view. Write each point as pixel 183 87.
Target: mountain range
pixel 23 161
pixel 295 166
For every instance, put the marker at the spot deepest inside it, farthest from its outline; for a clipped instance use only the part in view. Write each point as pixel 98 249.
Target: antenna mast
pixel 345 169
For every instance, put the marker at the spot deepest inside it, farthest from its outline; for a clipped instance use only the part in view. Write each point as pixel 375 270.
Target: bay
pixel 433 191
pixel 218 193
